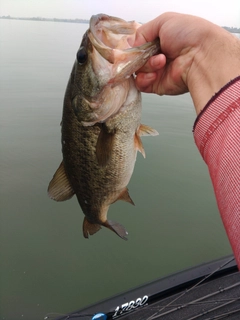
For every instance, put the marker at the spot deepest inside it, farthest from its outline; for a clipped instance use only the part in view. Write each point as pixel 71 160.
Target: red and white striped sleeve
pixel 217 136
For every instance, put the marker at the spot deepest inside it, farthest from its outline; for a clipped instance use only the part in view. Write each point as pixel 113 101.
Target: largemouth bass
pixel 101 122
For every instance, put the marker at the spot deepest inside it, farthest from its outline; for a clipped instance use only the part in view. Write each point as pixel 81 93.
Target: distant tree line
pixel 230 29
pixel 47 19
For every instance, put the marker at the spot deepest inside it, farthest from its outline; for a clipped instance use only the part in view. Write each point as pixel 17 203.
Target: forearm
pixel 215 64
pixel 217 135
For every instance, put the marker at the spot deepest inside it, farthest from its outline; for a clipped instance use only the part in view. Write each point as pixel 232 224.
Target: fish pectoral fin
pixel 59 188
pixel 90 228
pixel 104 145
pixel 124 195
pixel 117 228
pixel 138 144
pixel 144 130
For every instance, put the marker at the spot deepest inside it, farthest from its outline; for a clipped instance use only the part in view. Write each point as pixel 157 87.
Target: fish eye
pixel 82 55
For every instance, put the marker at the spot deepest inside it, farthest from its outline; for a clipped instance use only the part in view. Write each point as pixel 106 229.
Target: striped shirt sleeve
pixel 217 136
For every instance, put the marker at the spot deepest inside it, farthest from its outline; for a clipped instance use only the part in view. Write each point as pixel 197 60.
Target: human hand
pixel 197 56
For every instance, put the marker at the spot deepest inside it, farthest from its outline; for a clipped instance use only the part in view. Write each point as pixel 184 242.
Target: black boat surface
pixel 208 291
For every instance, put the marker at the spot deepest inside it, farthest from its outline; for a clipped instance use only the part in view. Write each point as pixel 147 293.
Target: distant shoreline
pixel 47 19
pixel 230 29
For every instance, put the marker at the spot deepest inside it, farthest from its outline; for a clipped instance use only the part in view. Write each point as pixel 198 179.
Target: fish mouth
pixel 113 61
pixel 112 37
pixel 109 35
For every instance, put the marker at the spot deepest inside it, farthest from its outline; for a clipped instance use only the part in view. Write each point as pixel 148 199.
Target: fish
pixel 101 122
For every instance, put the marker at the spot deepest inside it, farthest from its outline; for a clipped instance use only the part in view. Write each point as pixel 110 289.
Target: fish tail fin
pixel 117 228
pixel 90 228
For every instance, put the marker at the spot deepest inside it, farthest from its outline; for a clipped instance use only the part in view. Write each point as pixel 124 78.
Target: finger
pixel 144 81
pixel 154 64
pixel 158 62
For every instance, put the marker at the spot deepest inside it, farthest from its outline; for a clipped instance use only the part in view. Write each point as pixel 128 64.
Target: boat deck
pixel 210 291
pixel 219 300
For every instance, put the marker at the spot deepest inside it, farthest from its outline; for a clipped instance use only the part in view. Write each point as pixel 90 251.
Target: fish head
pixel 104 64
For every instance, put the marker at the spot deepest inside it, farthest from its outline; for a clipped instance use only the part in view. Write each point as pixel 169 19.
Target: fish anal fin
pixel 117 228
pixel 104 145
pixel 145 130
pixel 138 144
pixel 59 188
pixel 124 195
pixel 90 228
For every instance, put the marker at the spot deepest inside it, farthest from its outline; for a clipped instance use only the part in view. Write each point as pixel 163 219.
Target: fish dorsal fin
pixel 59 188
pixel 104 145
pixel 117 228
pixel 90 228
pixel 144 130
pixel 138 144
pixel 124 195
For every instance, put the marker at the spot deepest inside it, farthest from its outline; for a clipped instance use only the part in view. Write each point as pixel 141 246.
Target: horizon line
pixel 76 20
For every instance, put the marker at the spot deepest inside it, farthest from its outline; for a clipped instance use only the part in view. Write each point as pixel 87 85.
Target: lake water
pixel 45 263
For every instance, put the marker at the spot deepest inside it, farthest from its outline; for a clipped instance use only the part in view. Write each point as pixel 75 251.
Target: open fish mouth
pixel 112 38
pixel 113 61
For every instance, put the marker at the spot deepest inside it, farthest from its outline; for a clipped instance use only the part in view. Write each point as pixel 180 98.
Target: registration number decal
pixel 129 306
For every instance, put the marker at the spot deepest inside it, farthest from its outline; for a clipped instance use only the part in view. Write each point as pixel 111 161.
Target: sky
pixel 221 12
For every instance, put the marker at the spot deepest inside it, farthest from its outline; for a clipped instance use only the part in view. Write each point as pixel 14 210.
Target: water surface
pixel 45 263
